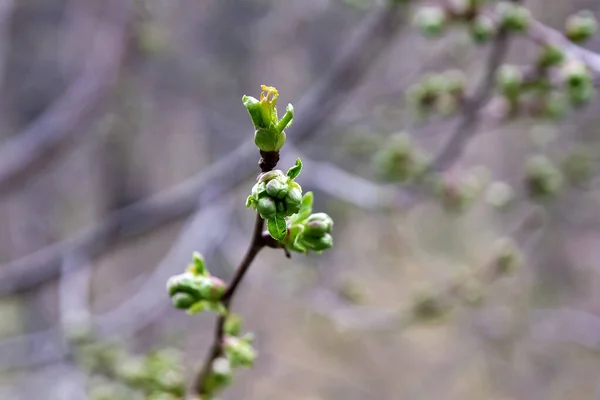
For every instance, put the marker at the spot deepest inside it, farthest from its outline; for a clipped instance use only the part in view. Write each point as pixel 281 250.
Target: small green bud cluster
pixel 308 231
pixel 237 351
pixel 509 80
pixel 507 257
pixel 581 26
pixel 400 160
pixel 431 20
pixel 578 82
pixel 196 289
pixel 158 374
pixel 482 29
pixel 441 93
pixel 275 196
pixel 427 306
pixel 499 194
pixel 456 191
pixel 572 85
pixel 513 17
pixel 543 180
pixel 269 135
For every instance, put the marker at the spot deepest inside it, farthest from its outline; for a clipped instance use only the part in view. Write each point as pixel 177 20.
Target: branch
pixel 257 243
pixel 268 162
pixel 544 35
pixel 373 37
pixel 32 149
pixel 139 310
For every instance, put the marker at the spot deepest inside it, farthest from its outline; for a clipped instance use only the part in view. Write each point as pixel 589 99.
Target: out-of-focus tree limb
pixel 29 151
pixel 546 35
pixel 144 306
pixel 314 109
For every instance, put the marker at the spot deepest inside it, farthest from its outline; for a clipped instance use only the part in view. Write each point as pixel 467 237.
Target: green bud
pixel 277 188
pixel 507 257
pixel 460 7
pixel 266 207
pixel 293 200
pixel 482 29
pixel 550 56
pixel 267 176
pixel 268 129
pixel 447 105
pixel 239 352
pixel 581 26
pixel 431 20
pixel 509 79
pixel 426 306
pixel 513 17
pixel 455 82
pixel 221 374
pixel 269 139
pixel 132 371
pixel 542 179
pixel 171 381
pixel 233 325
pixel 183 301
pixel 499 194
pixel 575 75
pixel 554 106
pixel 211 288
pixel 184 283
pixel 318 224
pixel 397 161
pixel 316 244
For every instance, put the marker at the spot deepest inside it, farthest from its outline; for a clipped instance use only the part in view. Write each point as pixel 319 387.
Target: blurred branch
pixel 142 308
pixel 467 127
pixel 351 316
pixel 74 293
pixel 375 34
pixel 6 11
pixel 31 150
pixel 545 35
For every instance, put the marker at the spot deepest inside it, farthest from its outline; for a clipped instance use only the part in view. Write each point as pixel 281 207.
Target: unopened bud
pixel 266 207
pixel 431 20
pixel 581 26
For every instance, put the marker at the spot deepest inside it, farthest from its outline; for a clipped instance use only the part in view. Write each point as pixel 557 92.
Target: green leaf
pixel 207 306
pixel 199 265
pixel 295 170
pixel 277 227
pixel 233 325
pixel 305 207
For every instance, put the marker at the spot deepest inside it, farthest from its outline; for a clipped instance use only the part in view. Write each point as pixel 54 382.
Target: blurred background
pixel 125 147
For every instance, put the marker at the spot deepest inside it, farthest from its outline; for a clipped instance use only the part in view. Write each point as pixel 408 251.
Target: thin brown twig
pixel 260 240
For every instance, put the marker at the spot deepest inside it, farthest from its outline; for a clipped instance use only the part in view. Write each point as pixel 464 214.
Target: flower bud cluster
pixel 117 375
pixel 308 231
pixel 543 180
pixel 439 93
pixel 456 192
pixel 400 160
pixel 269 135
pixel 432 21
pixel 196 290
pixel 275 196
pixel 237 351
